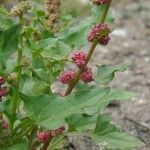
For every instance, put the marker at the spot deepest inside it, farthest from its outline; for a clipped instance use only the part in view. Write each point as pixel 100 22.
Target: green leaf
pixel 110 137
pixel 97 12
pixel 57 109
pixel 76 34
pixel 9 41
pixel 31 86
pixel 114 94
pixel 81 122
pixel 5 108
pixel 10 65
pixel 5 23
pixel 21 146
pixel 54 49
pixel 57 143
pixel 26 84
pixel 106 74
pixel 4 12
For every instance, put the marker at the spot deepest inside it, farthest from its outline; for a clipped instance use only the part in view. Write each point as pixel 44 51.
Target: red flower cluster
pixel 3 90
pixel 100 2
pixel 66 77
pixel 87 75
pixel 79 59
pixel 5 124
pixel 2 80
pixel 95 34
pixel 44 136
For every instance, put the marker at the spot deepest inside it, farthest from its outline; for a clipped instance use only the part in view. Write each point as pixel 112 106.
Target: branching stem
pixel 90 52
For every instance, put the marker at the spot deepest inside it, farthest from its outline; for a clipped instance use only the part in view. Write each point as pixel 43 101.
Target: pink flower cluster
pixel 87 75
pixel 67 76
pixel 3 90
pixel 79 58
pixel 95 34
pixel 5 124
pixel 2 80
pixel 100 2
pixel 44 136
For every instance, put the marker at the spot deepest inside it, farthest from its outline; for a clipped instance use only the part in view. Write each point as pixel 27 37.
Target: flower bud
pixel 43 136
pixel 2 80
pixel 104 40
pixel 12 77
pixel 5 124
pixel 25 61
pixel 87 75
pixel 17 10
pixel 97 31
pixel 80 59
pixel 67 76
pixel 3 91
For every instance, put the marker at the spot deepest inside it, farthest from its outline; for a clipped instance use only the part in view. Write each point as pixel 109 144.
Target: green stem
pixel 90 52
pixel 31 138
pixel 46 145
pixel 15 98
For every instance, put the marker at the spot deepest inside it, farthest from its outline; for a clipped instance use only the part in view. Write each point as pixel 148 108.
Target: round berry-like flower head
pixel 78 55
pixel 104 40
pixel 100 2
pixel 2 80
pixel 43 136
pixel 87 75
pixel 96 30
pixel 67 76
pixel 3 91
pixel 79 58
pixel 5 125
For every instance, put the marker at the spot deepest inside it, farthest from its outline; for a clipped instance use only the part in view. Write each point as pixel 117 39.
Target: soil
pixel 130 45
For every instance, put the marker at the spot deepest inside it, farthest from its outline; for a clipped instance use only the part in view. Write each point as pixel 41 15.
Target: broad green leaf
pixel 54 49
pixel 76 34
pixel 31 86
pixel 4 12
pixel 26 84
pixel 81 123
pixel 57 109
pixel 21 146
pixel 106 74
pixel 21 129
pixel 114 94
pixel 57 143
pixel 40 88
pixel 10 65
pixel 9 41
pixel 42 74
pixel 5 23
pixel 6 108
pixel 97 12
pixel 107 134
